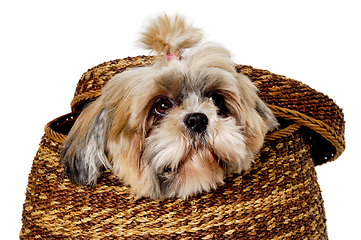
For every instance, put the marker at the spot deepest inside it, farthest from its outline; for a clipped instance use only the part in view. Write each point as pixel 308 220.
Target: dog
pixel 172 129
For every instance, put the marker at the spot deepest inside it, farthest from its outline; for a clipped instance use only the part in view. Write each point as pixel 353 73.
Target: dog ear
pixel 266 115
pixel 84 151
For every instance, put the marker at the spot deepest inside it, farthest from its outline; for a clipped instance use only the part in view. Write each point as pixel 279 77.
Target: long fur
pixel 170 35
pixel 158 154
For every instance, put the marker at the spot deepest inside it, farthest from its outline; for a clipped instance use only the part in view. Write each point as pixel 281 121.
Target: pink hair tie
pixel 171 56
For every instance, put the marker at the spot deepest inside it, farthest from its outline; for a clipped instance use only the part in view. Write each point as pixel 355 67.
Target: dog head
pixel 175 128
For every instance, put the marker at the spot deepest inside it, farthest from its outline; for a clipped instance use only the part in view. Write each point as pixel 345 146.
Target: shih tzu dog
pixel 175 128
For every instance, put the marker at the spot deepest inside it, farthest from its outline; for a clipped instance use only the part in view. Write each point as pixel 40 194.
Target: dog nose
pixel 196 122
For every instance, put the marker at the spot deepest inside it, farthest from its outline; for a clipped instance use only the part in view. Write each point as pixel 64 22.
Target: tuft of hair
pixel 168 35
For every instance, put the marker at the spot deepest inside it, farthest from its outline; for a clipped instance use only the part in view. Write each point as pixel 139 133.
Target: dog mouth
pixel 171 181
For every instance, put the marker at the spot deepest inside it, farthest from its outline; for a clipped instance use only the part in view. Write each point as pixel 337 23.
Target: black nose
pixel 196 122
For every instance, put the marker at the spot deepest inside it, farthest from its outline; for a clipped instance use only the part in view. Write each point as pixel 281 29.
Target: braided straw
pixel 278 198
pixel 316 125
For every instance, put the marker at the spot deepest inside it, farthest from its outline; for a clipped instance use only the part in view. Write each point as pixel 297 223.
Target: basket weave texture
pixel 278 198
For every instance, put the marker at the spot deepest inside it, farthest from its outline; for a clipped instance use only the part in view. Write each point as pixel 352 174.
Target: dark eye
pixel 162 106
pixel 217 100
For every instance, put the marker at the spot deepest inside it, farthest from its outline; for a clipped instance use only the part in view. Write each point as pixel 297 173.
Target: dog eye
pixel 217 100
pixel 162 106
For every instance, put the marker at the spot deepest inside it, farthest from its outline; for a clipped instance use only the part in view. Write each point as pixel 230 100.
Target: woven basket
pixel 279 198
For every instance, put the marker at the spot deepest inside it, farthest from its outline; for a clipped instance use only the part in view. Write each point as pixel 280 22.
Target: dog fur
pixel 175 128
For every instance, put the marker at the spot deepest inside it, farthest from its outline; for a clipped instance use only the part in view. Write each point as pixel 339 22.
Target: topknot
pixel 169 36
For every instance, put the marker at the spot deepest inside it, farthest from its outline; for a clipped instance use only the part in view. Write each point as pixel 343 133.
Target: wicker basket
pixel 279 198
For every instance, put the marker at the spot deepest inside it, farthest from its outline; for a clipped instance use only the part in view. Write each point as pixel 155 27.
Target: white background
pixel 45 46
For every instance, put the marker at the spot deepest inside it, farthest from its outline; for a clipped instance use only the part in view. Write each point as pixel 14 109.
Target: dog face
pixel 175 128
pixel 171 129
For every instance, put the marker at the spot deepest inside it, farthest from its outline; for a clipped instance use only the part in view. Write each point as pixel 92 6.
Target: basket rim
pixel 330 136
pixel 298 119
